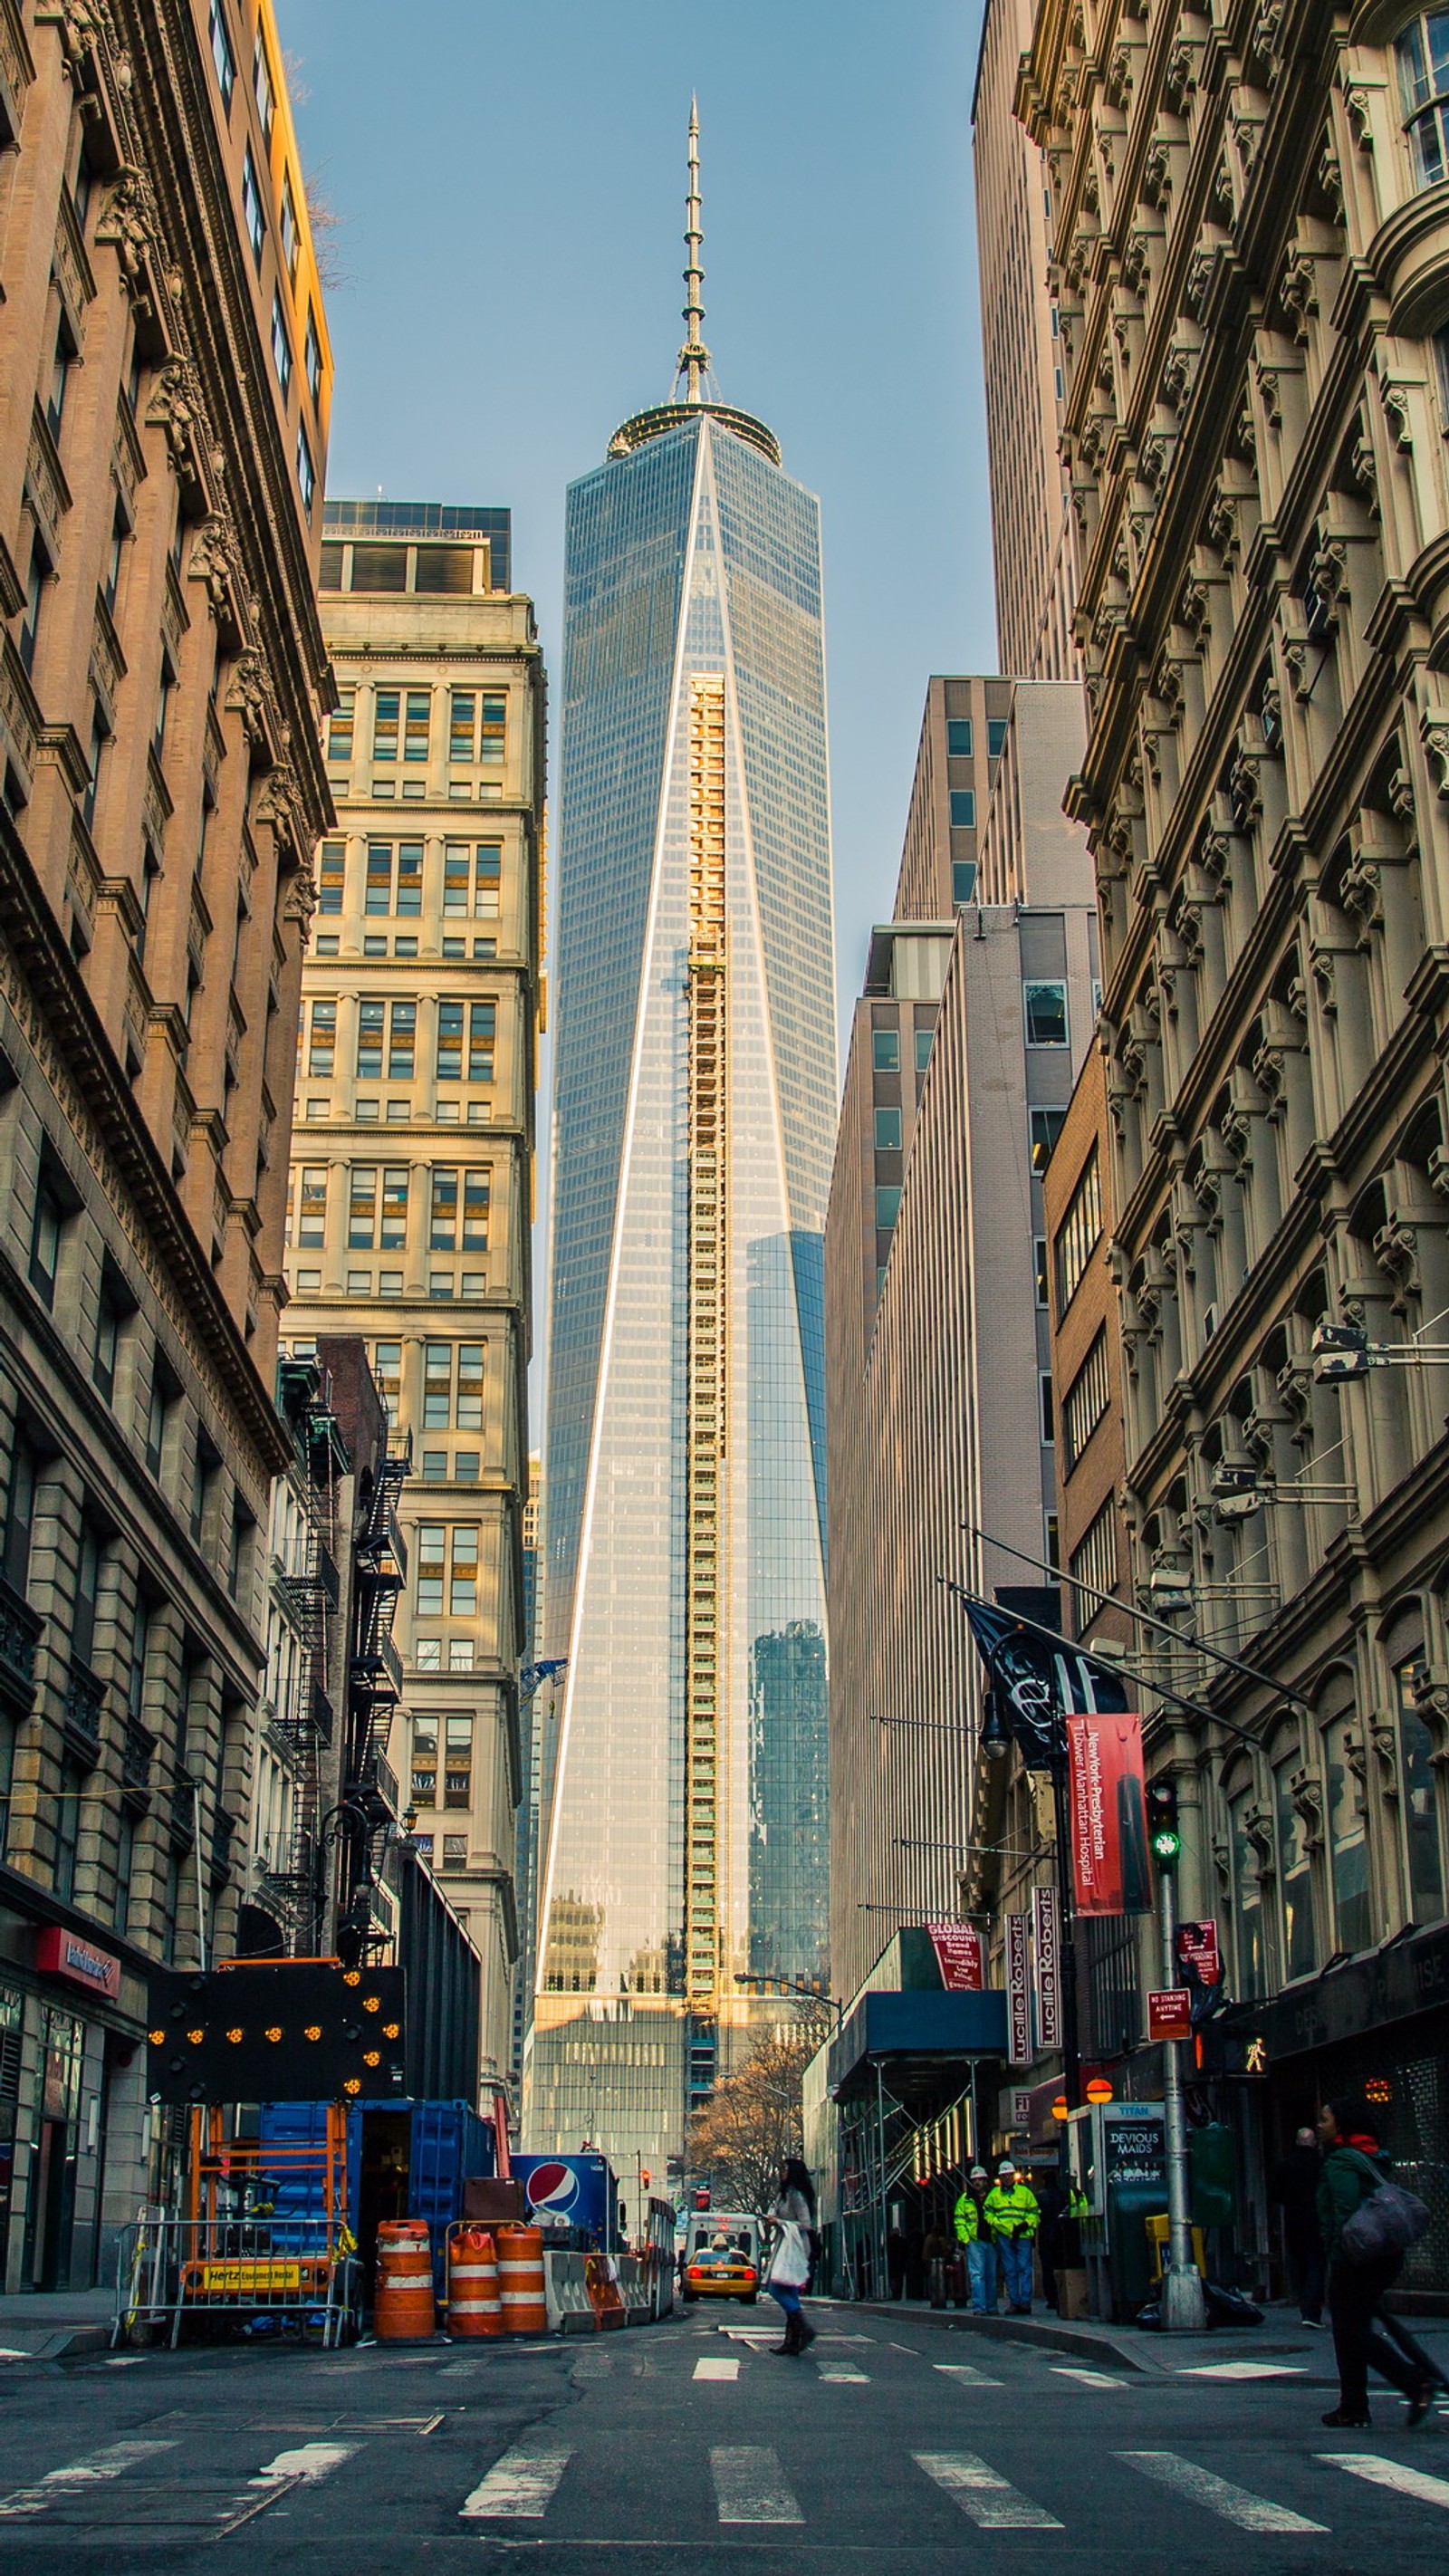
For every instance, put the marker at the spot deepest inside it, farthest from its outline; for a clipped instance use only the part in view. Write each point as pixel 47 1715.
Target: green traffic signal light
pixel 1164 1835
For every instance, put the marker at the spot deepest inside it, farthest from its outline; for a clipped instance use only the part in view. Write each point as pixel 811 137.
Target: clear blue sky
pixel 509 186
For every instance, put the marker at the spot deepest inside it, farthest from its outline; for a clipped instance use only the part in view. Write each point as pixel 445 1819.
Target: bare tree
pixel 752 2121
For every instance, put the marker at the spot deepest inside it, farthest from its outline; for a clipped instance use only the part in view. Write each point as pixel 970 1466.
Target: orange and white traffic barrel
pixel 520 2280
pixel 474 2306
pixel 403 2307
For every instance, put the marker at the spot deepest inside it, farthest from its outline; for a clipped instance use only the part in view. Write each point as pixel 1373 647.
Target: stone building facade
pixel 162 672
pixel 412 1155
pixel 1251 266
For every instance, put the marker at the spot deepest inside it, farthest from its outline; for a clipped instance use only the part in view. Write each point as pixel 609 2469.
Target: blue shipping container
pixel 440 2143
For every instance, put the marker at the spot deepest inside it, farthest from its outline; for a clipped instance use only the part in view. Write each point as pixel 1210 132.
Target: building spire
pixel 693 363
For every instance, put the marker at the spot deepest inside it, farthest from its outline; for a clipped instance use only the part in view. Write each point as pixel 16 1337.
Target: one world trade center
pixel 684 1827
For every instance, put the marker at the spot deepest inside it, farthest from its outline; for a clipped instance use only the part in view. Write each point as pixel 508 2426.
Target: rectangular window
pixel 1046 1127
pixel 362 1208
pixel 20 1513
pixel 402 1042
pixel 387 1370
pixel 378 897
pixel 322 1049
pixel 476 1192
pixel 463 1587
pixel 263 91
pixel 369 1041
pixel 995 737
pixel 887 1206
pixel 252 215
pixel 488 880
pixel 46 1230
pixel 416 728
pixel 291 239
pixel 312 1203
pixel 1046 1014
pixel 394 1207
pixel 963 809
pixel 281 347
pixel 1086 1401
pixel 469 1410
pixel 340 725
pixel 443 1216
pixel 437 1385
pixel 963 881
pixel 221 53
pixel 1039 1260
pixel 885 1050
pixel 923 1048
pixel 409 878
pixel 432 1567
pixel 115 1306
pixel 313 358
pixel 959 743
pixel 331 873
pixel 482 1024
pixel 1048 1409
pixel 450 1042
pixel 306 473
pixel 460 1660
pixel 887 1131
pixel 462 718
pixel 385 710
pixel 1079 1233
pixel 456 870
pixel 1094 1563
pixel 491 727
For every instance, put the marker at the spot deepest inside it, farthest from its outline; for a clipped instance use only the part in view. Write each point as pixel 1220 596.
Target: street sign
pixel 1048 1968
pixel 1198 1952
pixel 1018 1993
pixel 1169 2014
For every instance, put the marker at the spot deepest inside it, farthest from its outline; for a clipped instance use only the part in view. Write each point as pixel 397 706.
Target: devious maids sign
pixel 1109 1815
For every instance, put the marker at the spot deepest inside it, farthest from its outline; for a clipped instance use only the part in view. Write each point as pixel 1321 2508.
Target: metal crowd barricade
pixel 265 2235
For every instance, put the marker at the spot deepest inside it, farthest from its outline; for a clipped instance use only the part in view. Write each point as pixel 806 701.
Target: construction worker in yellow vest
pixel 1013 2213
pixel 973 2232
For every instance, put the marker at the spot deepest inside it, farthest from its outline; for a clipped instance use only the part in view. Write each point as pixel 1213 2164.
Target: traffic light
pixel 1162 1826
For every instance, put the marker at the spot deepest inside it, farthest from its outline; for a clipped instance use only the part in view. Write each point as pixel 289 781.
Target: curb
pixel 1053 2337
pixel 65 2341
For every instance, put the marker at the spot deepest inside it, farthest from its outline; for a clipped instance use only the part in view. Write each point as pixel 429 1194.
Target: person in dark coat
pixel 897 2256
pixel 1294 2187
pixel 1354 2164
pixel 1052 2201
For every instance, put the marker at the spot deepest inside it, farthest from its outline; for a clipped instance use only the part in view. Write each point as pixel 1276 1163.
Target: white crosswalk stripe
pixel 749 2485
pixel 1242 2370
pixel 110 2462
pixel 843 2370
pixel 310 2460
pixel 963 2370
pixel 717 2366
pixel 1390 2473
pixel 520 2486
pixel 1218 2495
pixel 1088 2378
pixel 982 2492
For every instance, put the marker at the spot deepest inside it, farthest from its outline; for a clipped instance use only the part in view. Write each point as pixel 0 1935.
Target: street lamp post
pixel 1181 2304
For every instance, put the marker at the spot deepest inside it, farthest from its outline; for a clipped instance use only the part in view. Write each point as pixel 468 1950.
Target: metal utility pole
pixel 1182 2306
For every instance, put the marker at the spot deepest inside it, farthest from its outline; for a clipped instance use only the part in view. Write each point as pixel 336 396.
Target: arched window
pixel 1295 1867
pixel 1423 56
pixel 1420 1798
pixel 1250 1924
pixel 1347 1835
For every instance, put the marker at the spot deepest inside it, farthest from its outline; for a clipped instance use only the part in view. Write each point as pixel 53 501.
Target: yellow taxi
pixel 722 2257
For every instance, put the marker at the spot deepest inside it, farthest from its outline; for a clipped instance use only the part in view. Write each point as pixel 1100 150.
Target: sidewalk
pixel 46 2325
pixel 1280 2338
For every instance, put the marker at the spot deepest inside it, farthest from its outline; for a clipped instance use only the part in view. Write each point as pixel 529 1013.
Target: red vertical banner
pixel 1110 1873
pixel 1018 1993
pixel 1046 1935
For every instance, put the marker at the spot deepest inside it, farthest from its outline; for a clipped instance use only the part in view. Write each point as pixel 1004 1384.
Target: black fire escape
pixel 368 1809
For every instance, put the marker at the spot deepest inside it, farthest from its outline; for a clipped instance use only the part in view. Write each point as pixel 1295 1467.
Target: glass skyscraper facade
pixel 694 1121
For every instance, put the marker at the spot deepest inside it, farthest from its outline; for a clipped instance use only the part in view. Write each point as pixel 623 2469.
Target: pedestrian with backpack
pixel 1367 2222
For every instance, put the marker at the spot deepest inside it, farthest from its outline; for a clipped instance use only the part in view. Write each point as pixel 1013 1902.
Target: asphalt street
pixel 688 2446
